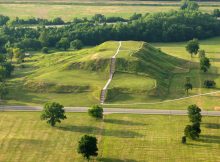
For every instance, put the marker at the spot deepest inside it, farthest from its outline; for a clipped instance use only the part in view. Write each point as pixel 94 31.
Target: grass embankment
pixel 121 138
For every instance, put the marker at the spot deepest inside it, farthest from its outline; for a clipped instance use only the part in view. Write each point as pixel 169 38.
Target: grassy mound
pixel 76 77
pixel 147 65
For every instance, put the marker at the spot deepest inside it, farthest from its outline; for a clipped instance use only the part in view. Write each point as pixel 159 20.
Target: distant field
pixel 70 11
pixel 133 138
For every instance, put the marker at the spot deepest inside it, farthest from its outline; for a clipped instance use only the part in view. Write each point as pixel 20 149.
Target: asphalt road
pixel 111 110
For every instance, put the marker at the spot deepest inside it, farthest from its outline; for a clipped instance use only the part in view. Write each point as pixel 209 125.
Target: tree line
pixel 170 26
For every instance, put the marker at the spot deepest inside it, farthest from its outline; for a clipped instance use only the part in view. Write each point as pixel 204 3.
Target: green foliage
pixel 3 20
pixel 194 114
pixel 204 64
pixel 19 54
pixel 87 146
pixel 76 44
pixel 45 50
pixel 189 5
pixel 202 53
pixel 3 90
pixel 190 132
pixel 216 12
pixel 193 46
pixel 99 18
pixel 209 84
pixel 63 43
pixel 188 86
pixel 96 111
pixel 53 113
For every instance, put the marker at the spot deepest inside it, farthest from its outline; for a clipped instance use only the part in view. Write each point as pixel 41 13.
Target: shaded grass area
pixel 121 138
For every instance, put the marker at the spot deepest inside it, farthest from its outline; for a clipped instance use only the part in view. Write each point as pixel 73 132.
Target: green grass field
pixel 79 9
pixel 133 138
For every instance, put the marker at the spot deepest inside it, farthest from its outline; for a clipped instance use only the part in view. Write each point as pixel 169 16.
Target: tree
pixel 45 50
pixel 209 83
pixel 201 53
pixel 57 21
pixel 3 90
pixel 87 146
pixel 188 86
pixel 53 113
pixel 190 132
pixel 18 54
pixel 193 46
pixel 96 111
pixel 189 5
pixel 99 18
pixel 216 12
pixel 204 64
pixel 194 114
pixel 76 44
pixel 63 43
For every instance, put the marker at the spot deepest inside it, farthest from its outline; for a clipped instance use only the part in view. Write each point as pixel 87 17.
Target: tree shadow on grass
pixel 115 160
pixel 123 122
pixel 209 139
pixel 212 125
pixel 100 131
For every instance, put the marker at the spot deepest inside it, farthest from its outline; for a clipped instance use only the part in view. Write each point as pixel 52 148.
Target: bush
pixel 96 111
pixel 45 50
pixel 76 44
pixel 209 83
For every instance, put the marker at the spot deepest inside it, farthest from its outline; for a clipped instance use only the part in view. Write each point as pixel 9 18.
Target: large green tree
pixel 96 111
pixel 193 46
pixel 53 113
pixel 88 146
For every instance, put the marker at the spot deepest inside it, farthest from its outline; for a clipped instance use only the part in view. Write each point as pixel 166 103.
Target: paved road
pixel 111 110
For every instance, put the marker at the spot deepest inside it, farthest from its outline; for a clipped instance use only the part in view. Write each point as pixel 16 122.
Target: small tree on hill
pixel 204 64
pixel 193 47
pixel 53 113
pixel 87 146
pixel 3 90
pixel 96 111
pixel 188 86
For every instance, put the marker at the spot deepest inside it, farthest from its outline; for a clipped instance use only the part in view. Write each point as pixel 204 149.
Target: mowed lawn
pixel 122 137
pixel 68 12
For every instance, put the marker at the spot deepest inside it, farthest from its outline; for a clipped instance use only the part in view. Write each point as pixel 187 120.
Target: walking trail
pixel 112 71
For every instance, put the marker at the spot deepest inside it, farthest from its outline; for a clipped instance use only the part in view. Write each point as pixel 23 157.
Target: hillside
pixel 77 77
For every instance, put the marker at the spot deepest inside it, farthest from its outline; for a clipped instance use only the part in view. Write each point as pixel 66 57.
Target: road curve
pixel 111 110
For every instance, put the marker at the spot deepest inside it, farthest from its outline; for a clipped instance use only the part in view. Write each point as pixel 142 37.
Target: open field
pixel 70 11
pixel 121 137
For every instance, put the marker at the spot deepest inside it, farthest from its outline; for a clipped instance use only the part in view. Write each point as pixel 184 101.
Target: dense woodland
pixel 170 26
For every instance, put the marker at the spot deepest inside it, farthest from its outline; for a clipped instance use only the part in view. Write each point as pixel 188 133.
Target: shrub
pixel 209 83
pixel 45 50
pixel 96 111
